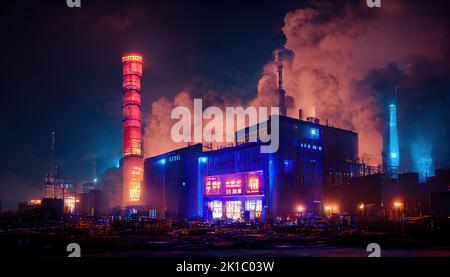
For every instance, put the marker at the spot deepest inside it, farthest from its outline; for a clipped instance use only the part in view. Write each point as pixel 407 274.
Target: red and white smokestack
pixel 133 159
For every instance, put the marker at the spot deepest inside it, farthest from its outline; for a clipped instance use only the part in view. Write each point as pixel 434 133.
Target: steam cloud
pixel 348 61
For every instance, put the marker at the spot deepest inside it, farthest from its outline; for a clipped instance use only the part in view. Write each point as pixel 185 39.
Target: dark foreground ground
pixel 285 250
pixel 223 242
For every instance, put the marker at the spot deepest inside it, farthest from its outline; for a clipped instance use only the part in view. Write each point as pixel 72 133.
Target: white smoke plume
pixel 336 46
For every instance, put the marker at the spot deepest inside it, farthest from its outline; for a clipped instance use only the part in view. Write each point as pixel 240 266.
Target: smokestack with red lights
pixel 133 159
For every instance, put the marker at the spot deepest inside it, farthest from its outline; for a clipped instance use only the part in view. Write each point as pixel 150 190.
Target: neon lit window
pixel 132 58
pixel 233 187
pixel 233 209
pixel 254 207
pixel 217 209
pixel 175 158
pixel 313 133
pixel 69 202
pixel 135 184
pixel 212 187
pixel 253 185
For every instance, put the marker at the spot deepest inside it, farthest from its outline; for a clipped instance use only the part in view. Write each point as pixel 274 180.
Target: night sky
pixel 61 71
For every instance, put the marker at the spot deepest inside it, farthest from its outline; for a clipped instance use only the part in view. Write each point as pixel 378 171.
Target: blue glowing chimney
pixel 394 155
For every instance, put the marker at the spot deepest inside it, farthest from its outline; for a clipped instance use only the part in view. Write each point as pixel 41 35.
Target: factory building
pixel 240 183
pixel 315 171
pixel 88 204
pixel 385 197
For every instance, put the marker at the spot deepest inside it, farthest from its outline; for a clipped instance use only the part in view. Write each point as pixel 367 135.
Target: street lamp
pixel 328 210
pixel 398 206
pixel 361 207
pixel 300 210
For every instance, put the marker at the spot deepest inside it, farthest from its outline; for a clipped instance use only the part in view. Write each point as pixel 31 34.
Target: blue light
pixel 162 161
pixel 203 159
pixel 394 161
pixel 313 133
pixel 421 152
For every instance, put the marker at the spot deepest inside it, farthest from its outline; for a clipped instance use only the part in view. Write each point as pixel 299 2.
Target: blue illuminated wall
pixel 291 177
pixel 171 182
pixel 422 157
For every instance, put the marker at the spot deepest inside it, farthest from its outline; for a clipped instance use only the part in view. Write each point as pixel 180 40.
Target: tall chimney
pixel 281 91
pixel 281 55
pixel 394 156
pixel 133 159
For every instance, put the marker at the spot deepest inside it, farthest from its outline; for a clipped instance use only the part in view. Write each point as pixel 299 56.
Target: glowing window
pixel 212 187
pixel 135 185
pixel 132 58
pixel 254 207
pixel 233 209
pixel 69 203
pixel 233 187
pixel 313 133
pixel 217 209
pixel 253 185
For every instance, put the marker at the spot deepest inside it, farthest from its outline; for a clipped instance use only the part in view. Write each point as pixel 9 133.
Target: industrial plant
pixel 314 182
pixel 225 136
pixel 316 172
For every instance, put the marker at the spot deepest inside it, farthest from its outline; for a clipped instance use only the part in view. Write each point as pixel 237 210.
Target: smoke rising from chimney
pixel 337 48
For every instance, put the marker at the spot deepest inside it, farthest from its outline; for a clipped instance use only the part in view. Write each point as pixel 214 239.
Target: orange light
pixel 132 58
pixel 398 204
pixel 300 209
pixel 327 208
pixel 35 202
pixel 361 206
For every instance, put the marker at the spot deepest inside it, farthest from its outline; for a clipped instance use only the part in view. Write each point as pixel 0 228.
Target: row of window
pixel 232 187
pixel 235 209
pixel 174 158
pixel 311 146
